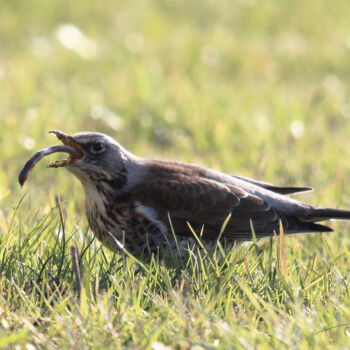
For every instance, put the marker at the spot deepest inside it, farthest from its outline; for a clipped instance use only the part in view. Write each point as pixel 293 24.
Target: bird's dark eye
pixel 97 147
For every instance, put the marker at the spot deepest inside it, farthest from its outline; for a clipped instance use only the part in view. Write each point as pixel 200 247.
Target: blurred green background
pixel 257 88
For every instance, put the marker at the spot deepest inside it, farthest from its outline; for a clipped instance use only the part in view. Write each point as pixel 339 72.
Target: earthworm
pixel 29 165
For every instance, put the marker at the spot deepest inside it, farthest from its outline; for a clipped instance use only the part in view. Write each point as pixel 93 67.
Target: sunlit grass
pixel 254 295
pixel 256 88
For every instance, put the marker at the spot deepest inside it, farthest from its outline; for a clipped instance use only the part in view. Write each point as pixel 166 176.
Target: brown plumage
pixel 129 199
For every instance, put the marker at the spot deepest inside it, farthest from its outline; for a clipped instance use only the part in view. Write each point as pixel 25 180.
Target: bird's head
pixel 97 157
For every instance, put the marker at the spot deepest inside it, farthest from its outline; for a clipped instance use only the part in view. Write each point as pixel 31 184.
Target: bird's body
pixel 141 203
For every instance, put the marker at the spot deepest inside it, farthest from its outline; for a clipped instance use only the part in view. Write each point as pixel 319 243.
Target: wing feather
pixel 201 201
pixel 274 188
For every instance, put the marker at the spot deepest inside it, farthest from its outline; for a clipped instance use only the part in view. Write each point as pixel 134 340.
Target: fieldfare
pixel 147 205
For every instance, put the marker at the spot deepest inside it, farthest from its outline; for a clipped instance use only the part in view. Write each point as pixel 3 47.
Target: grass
pixel 255 88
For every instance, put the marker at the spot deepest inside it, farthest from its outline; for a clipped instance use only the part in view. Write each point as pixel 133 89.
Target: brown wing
pixel 202 201
pixel 274 188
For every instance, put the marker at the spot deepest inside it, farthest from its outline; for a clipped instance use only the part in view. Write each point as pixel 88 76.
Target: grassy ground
pixel 257 88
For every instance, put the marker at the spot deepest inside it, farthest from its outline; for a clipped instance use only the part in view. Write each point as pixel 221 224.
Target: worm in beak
pixel 74 151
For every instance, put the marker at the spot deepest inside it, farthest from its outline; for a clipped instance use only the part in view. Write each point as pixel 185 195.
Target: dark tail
pixel 321 214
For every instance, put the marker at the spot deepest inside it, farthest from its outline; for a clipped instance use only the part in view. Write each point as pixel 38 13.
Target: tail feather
pixel 312 227
pixel 320 214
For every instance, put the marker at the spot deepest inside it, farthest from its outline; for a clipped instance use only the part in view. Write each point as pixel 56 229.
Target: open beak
pixel 67 141
pixel 69 146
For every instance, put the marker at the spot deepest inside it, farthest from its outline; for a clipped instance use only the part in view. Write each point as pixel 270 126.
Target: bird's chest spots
pixel 105 215
pixel 104 219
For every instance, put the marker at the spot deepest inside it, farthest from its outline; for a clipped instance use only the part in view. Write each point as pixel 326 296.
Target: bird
pixel 154 206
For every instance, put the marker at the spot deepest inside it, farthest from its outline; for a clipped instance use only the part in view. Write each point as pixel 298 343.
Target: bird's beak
pixel 69 146
pixel 68 141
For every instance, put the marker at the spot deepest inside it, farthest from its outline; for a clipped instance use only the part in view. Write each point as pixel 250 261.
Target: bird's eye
pixel 97 147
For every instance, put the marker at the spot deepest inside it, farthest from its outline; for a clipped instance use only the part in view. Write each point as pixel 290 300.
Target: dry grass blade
pixel 75 262
pixel 282 253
